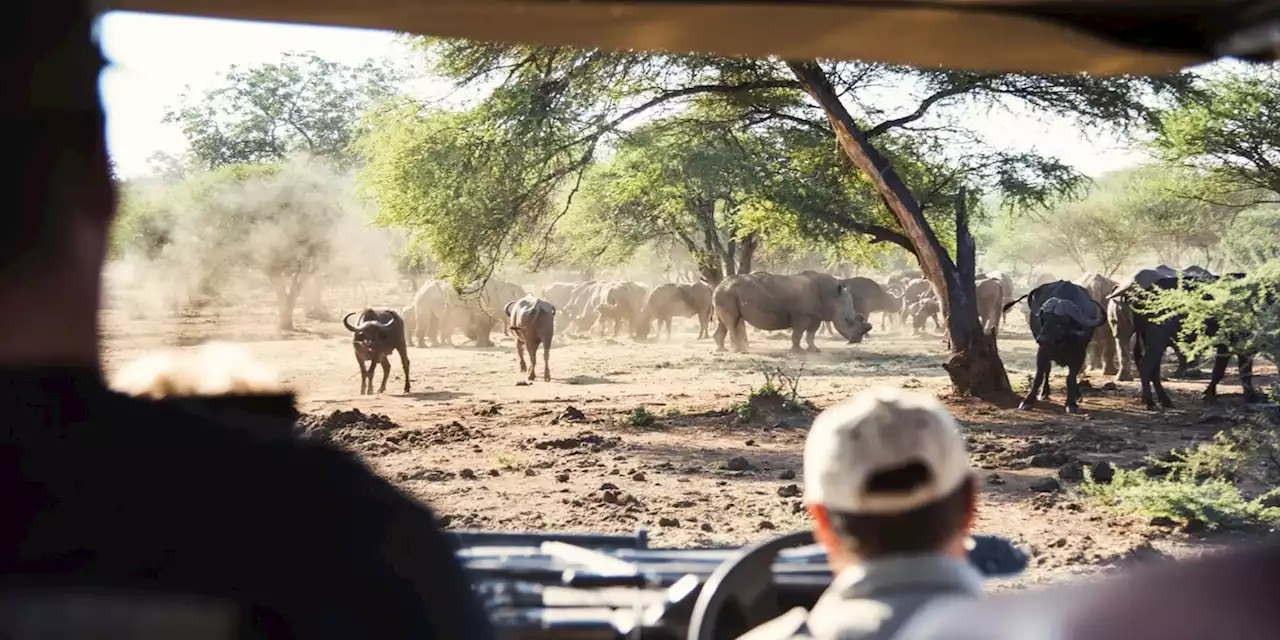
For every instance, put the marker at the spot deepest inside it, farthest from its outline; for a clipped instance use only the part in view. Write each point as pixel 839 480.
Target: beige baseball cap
pixel 882 429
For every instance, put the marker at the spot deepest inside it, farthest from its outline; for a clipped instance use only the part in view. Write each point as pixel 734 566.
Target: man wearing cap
pixel 892 496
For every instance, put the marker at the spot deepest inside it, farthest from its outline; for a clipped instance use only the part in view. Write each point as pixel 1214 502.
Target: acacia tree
pixel 1229 129
pixel 268 113
pixel 553 107
pixel 276 219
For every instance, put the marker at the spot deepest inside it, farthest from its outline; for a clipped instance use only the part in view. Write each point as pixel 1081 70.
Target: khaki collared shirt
pixel 872 600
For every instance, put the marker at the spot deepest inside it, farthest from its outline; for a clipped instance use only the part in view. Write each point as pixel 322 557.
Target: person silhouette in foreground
pixel 1233 594
pixel 139 518
pixel 892 496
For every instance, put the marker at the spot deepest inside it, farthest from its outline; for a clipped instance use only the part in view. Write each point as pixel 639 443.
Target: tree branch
pixel 920 111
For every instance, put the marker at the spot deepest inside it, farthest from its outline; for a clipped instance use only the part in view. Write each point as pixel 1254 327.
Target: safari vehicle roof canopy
pixel 1039 36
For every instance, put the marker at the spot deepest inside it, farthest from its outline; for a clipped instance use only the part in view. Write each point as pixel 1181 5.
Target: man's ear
pixel 971 507
pixel 822 532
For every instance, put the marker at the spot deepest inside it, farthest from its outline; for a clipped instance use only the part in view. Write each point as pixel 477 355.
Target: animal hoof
pixel 1073 410
pixel 1024 405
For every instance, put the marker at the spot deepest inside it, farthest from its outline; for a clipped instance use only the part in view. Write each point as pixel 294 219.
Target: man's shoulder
pixel 792 625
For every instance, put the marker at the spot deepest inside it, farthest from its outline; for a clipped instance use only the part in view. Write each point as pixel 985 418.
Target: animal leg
pixel 1219 370
pixel 1073 388
pixel 363 376
pixel 740 335
pixel 386 373
pixel 1125 348
pixel 1048 369
pixel 795 340
pixel 433 331
pixel 721 332
pixel 1245 369
pixel 532 347
pixel 1149 371
pixel 520 352
pixel 1181 371
pixel 1109 360
pixel 809 335
pixel 546 361
pixel 1042 375
pixel 404 363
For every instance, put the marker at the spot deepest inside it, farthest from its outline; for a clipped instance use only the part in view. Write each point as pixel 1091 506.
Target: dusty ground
pixel 575 454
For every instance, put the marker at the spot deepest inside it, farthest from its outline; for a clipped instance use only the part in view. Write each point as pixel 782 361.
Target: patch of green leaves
pixel 1198 484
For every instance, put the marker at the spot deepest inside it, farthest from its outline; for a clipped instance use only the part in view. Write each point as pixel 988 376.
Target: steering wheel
pixel 746 579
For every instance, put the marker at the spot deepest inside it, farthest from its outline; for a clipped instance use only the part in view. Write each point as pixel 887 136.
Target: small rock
pixel 1102 471
pixel 706 526
pixel 572 414
pixel 1046 485
pixel 668 522
pixel 610 497
pixel 531 472
pixel 738 464
pixel 787 475
pixel 683 504
pixel 608 486
pixel 789 491
pixel 494 473
pixel 766 525
pixel 1071 472
pixel 995 479
pixel 1161 521
pixel 467 474
pixel 1049 460
pixel 750 443
pixel 638 476
pixel 522 383
pixel 1110 386
pixel 1272 500
pixel 563 477
pixel 1060 542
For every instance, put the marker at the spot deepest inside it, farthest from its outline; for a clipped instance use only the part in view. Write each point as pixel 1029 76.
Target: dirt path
pixel 631 435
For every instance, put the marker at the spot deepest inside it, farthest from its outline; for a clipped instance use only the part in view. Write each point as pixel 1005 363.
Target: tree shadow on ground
pixel 435 396
pixel 586 380
pixel 762 465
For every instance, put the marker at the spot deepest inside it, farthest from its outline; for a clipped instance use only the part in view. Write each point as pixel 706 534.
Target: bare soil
pixel 630 435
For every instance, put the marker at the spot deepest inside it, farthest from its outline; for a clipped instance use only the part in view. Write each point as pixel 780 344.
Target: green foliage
pixel 1155 207
pixel 470 191
pixel 779 393
pixel 1253 239
pixel 268 113
pixel 1230 128
pixel 1197 485
pixel 144 221
pixel 548 112
pixel 278 220
pixel 641 417
pixel 1245 310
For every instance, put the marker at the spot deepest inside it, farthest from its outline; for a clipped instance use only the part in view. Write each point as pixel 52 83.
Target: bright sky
pixel 156 58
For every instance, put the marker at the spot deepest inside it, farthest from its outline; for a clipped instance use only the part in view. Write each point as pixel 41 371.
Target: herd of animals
pixel 1093 318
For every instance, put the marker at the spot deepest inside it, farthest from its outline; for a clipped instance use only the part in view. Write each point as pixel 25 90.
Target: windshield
pixel 694 255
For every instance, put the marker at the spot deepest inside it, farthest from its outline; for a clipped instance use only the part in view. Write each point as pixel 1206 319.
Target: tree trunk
pixel 974 364
pixel 748 255
pixel 285 299
pixel 312 294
